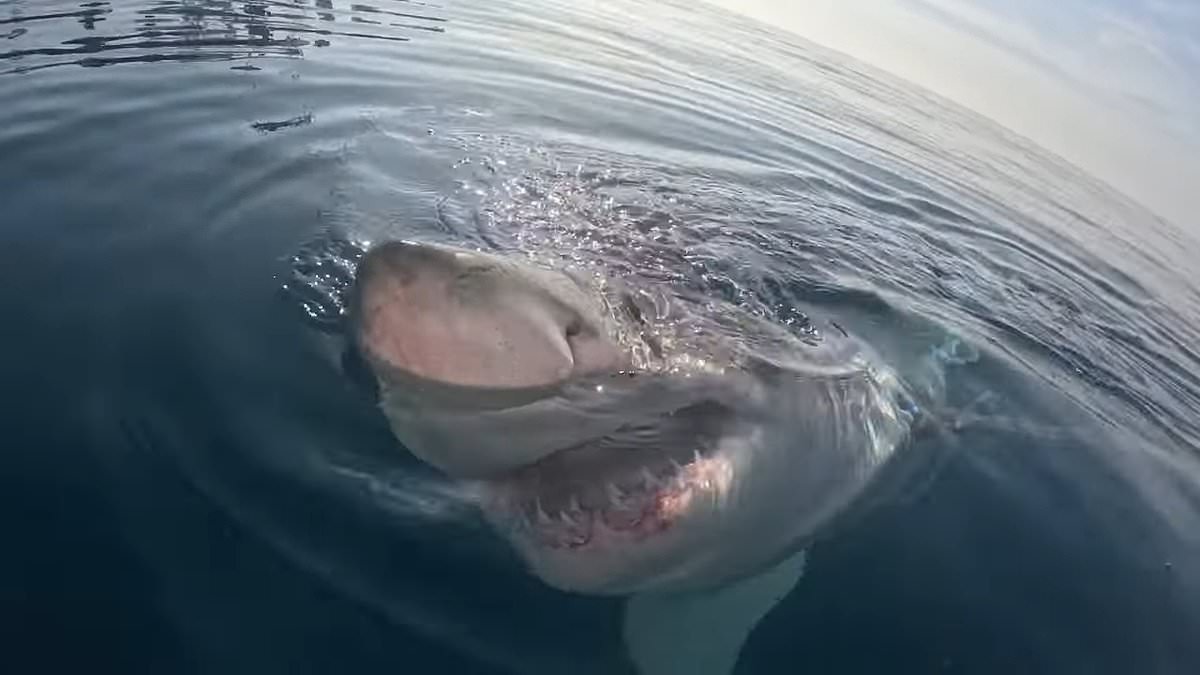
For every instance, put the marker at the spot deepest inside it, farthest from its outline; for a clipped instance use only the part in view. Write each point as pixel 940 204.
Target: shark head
pixel 609 473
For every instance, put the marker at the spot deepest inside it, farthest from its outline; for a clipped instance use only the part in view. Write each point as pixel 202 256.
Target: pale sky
pixel 1111 85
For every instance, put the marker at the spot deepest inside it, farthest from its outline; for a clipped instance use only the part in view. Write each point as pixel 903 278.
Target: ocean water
pixel 190 482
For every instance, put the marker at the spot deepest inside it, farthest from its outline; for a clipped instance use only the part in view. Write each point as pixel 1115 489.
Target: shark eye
pixel 574 328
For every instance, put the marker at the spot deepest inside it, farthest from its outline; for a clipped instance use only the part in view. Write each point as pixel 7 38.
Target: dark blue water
pixel 189 482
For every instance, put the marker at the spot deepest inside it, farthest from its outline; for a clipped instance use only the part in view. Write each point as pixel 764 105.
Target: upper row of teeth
pixel 616 496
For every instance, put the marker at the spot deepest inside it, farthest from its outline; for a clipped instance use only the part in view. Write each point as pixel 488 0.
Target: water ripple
pixel 199 30
pixel 841 223
pixel 229 152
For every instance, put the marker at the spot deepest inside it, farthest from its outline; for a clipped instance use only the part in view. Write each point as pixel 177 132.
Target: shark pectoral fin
pixel 702 633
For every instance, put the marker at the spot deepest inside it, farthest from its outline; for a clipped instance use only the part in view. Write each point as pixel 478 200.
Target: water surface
pixel 191 483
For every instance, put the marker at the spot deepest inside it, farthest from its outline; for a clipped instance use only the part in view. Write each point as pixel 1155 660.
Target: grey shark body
pixel 623 439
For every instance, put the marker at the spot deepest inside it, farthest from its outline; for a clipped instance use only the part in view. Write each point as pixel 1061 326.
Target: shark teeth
pixel 615 494
pixel 571 527
pixel 543 519
pixel 574 515
pixel 634 504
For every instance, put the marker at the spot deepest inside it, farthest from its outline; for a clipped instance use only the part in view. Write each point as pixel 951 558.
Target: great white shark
pixel 629 440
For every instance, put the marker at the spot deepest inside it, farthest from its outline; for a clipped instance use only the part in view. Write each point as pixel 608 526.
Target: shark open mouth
pixel 620 489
